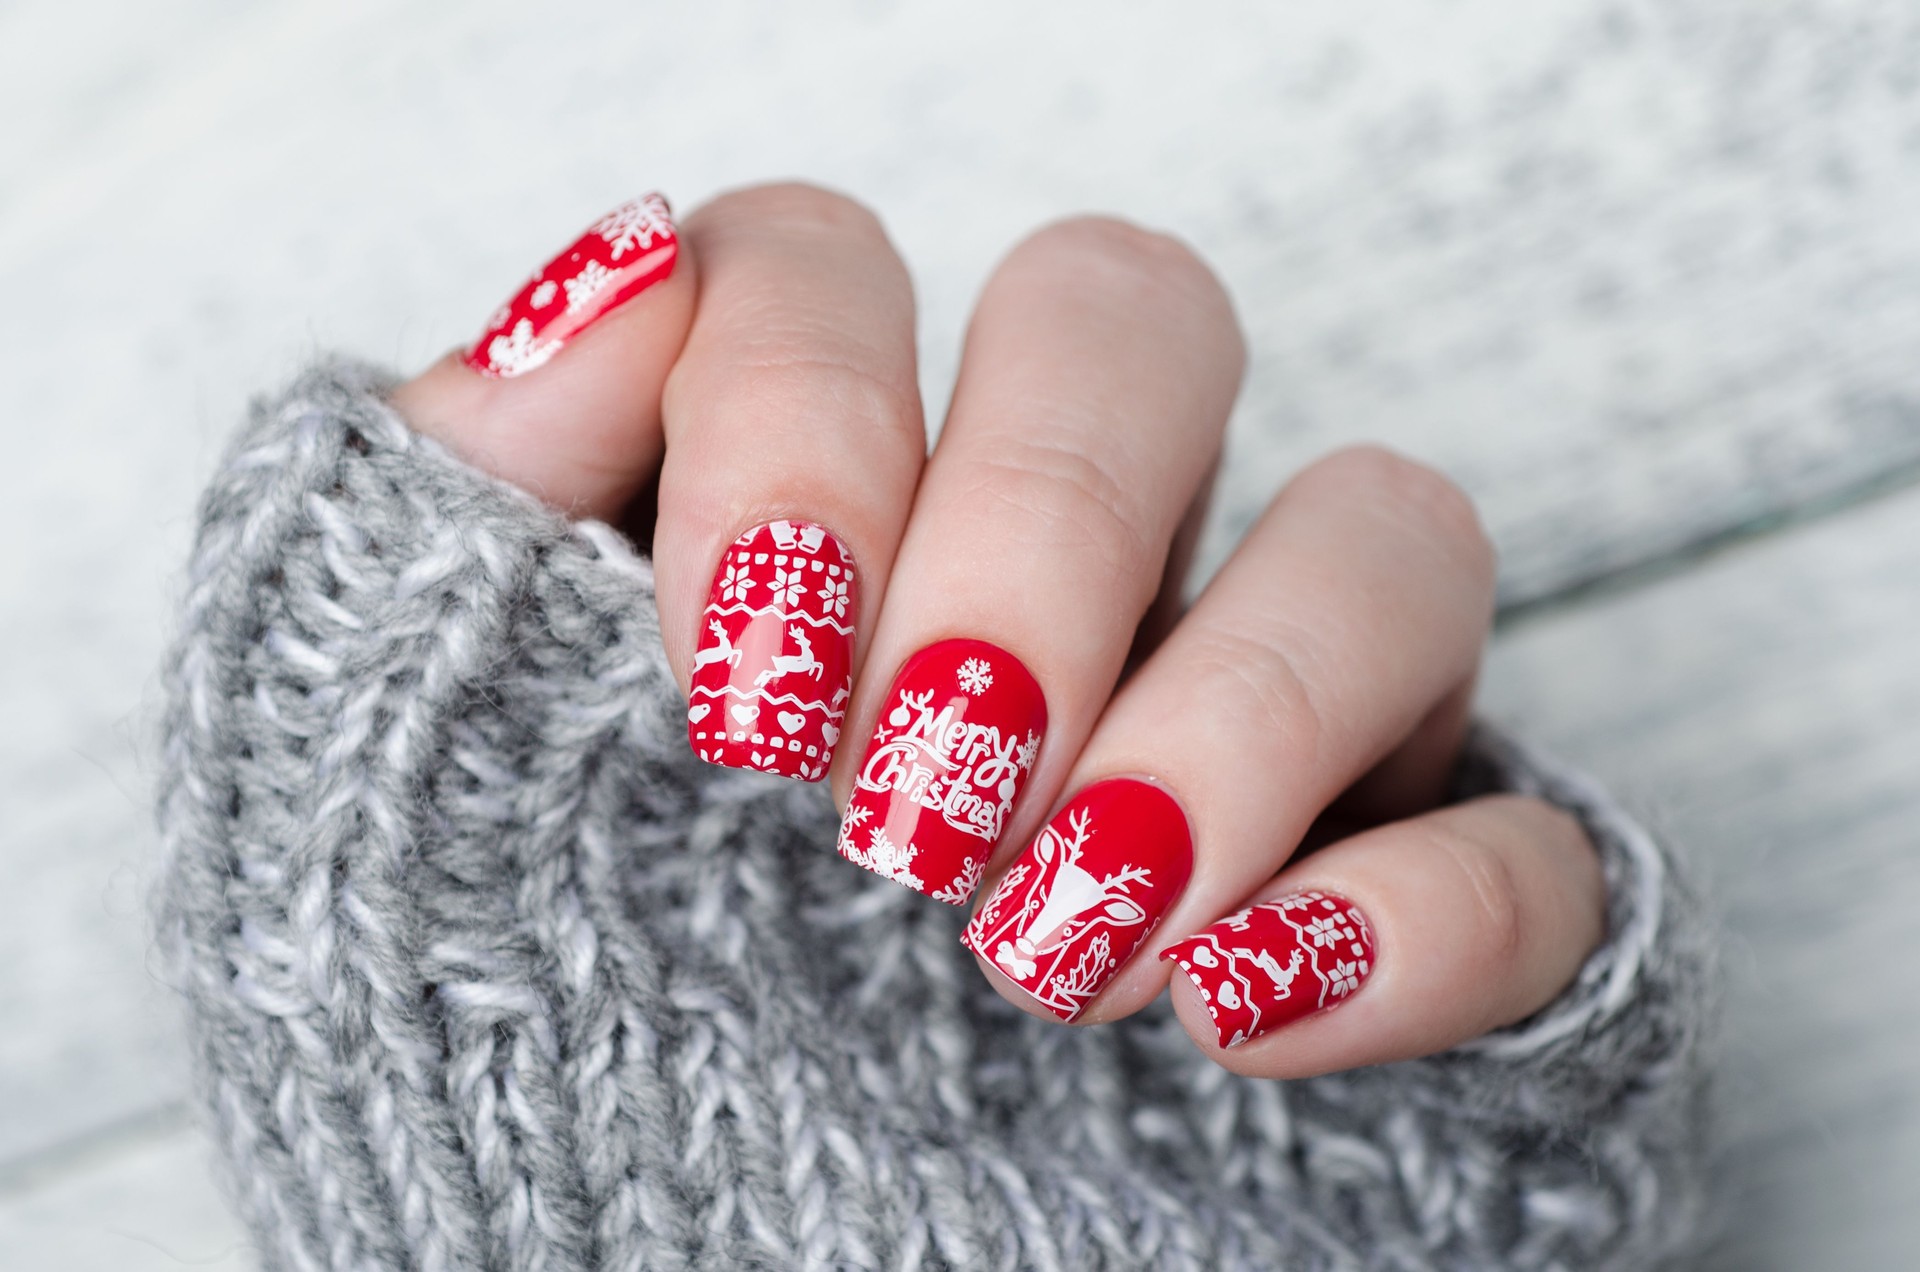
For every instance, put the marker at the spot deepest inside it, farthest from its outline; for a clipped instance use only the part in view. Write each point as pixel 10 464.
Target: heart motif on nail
pixel 1229 996
pixel 790 721
pixel 745 715
pixel 698 711
pixel 829 734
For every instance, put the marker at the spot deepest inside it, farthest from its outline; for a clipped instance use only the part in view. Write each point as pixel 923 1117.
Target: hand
pixel 981 605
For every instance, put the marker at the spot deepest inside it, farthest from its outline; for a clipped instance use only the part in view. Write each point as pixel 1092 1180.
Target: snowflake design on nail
pixel 882 856
pixel 582 287
pixel 635 225
pixel 789 585
pixel 1028 750
pixel 734 586
pixel 517 351
pixel 976 676
pixel 543 294
pixel 1345 978
pixel 857 815
pixel 1326 929
pixel 834 593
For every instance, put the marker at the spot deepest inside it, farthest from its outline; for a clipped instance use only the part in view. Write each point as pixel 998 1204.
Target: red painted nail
pixel 627 251
pixel 1276 962
pixel 949 755
pixel 772 673
pixel 1085 893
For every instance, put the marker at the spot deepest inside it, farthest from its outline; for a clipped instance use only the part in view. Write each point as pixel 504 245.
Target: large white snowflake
pixel 834 593
pixel 635 225
pixel 582 287
pixel 976 676
pixel 518 351
pixel 789 585
pixel 882 856
pixel 733 587
pixel 1326 929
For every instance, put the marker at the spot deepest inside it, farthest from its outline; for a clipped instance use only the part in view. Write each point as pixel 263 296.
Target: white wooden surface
pixel 1638 273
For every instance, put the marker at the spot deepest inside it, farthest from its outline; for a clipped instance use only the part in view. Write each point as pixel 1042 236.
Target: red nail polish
pixel 772 673
pixel 1083 896
pixel 951 750
pixel 1276 962
pixel 627 251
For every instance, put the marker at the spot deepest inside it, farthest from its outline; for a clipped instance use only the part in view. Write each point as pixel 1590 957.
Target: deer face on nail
pixel 1090 888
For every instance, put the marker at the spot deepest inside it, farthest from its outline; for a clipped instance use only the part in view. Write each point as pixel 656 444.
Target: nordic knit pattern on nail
pixel 484 969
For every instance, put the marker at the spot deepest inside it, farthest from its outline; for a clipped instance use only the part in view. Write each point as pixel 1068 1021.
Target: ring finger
pixel 1355 606
pixel 1099 371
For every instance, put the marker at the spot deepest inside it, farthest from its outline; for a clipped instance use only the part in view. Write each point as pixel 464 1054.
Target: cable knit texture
pixel 485 970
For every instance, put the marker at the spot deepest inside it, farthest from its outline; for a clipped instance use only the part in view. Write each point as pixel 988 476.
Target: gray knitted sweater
pixel 484 970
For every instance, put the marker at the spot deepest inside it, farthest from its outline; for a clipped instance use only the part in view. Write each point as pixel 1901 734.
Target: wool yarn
pixel 482 969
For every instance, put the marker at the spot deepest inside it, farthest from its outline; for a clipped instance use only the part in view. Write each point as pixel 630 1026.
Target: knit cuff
pixel 1631 1025
pixel 485 969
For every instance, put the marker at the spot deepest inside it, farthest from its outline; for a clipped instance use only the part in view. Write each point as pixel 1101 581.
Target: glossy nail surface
pixel 1276 962
pixel 774 664
pixel 1090 888
pixel 624 253
pixel 954 744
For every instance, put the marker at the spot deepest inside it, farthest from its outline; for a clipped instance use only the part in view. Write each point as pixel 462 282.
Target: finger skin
pixel 1353 609
pixel 1101 365
pixel 1480 914
pixel 582 428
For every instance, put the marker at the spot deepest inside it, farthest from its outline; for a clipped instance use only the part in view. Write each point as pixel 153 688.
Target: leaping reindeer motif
pixel 1282 977
pixel 725 651
pixel 789 664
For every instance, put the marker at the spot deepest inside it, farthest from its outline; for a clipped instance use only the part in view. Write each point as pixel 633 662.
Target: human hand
pixel 966 618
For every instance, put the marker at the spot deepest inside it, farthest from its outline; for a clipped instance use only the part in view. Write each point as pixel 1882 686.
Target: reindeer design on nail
pixel 726 651
pixel 1071 900
pixel 802 663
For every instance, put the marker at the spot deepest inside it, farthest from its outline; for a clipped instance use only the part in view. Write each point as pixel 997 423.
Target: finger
pixel 1413 778
pixel 794 440
pixel 1099 371
pixel 1354 607
pixel 1423 934
pixel 581 431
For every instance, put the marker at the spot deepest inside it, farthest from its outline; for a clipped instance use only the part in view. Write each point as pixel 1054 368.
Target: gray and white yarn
pixel 485 970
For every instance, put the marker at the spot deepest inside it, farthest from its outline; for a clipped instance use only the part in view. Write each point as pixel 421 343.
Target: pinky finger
pixel 1406 940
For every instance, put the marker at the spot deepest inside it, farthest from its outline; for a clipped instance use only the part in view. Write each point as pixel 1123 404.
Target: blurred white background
pixel 1646 276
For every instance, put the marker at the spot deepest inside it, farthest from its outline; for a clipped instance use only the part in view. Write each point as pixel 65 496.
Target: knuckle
pixel 808 377
pixel 1269 682
pixel 1498 911
pixel 1077 502
pixel 797 206
pixel 1422 497
pixel 1108 252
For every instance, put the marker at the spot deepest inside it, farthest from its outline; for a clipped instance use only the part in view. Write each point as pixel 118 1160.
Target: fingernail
pixel 953 746
pixel 1276 962
pixel 1083 896
pixel 772 671
pixel 625 252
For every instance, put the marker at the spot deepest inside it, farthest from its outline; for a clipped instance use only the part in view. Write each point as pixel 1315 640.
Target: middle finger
pixel 1099 371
